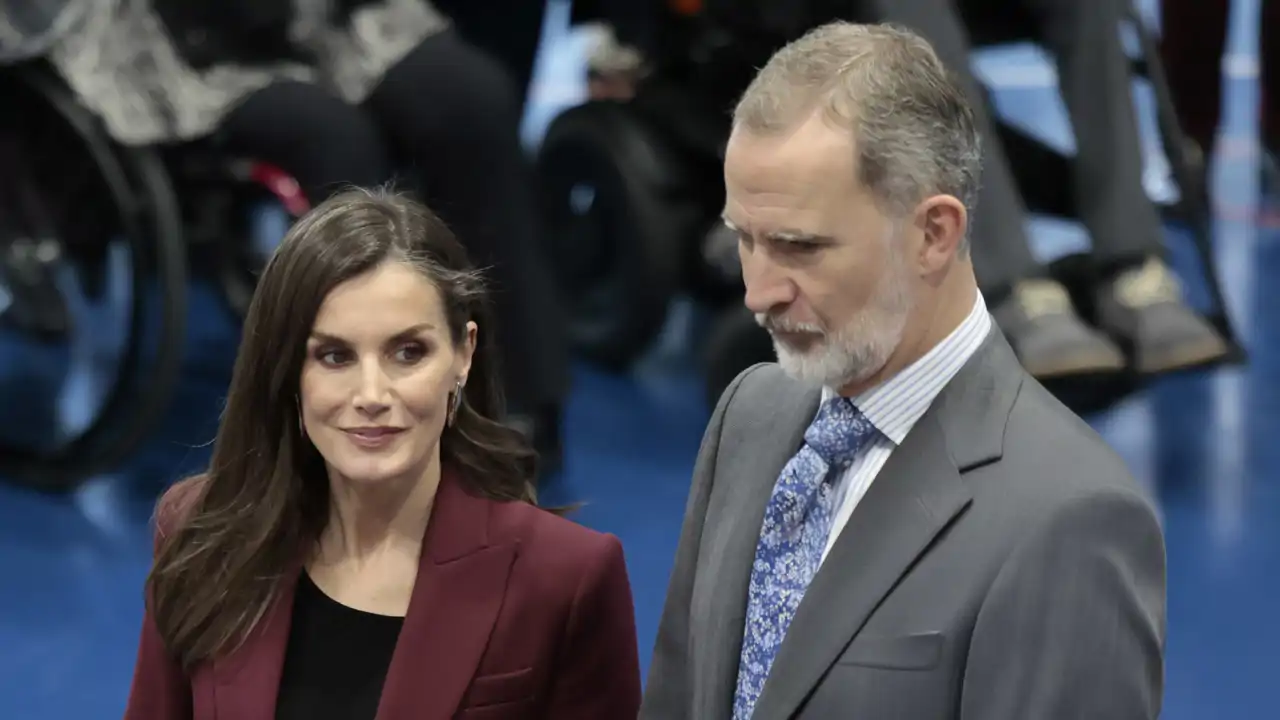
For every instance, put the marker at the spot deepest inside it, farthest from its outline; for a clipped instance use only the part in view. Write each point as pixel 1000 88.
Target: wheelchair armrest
pixel 207 164
pixel 278 182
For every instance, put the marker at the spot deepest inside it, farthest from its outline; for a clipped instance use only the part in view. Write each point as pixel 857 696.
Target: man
pixel 1137 298
pixel 895 521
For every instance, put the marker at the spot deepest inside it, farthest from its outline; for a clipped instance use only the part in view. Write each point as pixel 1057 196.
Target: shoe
pixel 1142 307
pixel 1048 335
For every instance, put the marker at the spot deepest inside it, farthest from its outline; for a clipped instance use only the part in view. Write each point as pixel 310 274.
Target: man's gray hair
pixel 913 127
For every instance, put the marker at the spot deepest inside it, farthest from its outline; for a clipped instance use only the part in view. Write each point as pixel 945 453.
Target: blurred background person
pixel 1138 300
pixel 1142 321
pixel 334 93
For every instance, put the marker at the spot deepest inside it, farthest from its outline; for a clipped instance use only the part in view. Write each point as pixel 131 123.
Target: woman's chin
pixel 372 471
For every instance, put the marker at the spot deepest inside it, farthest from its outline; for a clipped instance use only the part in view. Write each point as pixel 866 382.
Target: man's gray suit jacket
pixel 1004 565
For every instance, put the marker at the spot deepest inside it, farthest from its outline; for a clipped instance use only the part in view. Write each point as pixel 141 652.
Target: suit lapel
pixel 747 480
pixel 915 496
pixel 462 579
pixel 246 684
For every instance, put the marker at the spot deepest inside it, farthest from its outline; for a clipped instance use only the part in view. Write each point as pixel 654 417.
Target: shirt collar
pixel 896 404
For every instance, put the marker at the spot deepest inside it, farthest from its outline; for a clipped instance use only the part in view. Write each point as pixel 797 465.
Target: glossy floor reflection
pixel 71 569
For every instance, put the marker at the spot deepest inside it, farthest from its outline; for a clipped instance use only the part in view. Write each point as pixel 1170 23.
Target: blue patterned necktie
pixel 797 522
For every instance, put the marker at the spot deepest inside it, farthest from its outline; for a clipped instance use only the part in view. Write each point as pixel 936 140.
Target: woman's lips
pixel 373 437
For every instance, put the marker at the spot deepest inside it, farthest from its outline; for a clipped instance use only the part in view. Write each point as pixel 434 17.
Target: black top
pixel 336 661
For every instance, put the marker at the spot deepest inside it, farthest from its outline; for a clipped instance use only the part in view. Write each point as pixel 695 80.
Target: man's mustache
pixel 776 324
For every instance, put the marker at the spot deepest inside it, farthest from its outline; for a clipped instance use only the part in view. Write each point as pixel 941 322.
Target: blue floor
pixel 71 570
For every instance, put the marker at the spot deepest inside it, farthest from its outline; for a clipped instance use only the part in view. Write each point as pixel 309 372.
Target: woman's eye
pixel 410 353
pixel 333 358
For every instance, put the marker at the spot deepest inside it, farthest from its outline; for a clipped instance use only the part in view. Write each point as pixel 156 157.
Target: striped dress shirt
pixel 895 405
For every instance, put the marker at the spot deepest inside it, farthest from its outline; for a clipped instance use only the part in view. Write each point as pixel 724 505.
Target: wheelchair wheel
pixel 106 195
pixel 617 228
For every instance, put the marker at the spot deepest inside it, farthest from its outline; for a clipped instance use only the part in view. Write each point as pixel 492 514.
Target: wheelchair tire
pixel 140 192
pixel 734 343
pixel 616 228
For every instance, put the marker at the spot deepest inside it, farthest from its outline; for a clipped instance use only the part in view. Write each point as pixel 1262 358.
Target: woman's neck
pixel 367 519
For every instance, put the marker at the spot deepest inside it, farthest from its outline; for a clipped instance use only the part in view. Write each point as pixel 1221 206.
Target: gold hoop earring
pixel 455 402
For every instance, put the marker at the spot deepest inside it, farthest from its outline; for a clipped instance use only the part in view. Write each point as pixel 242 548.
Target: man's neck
pixel 943 317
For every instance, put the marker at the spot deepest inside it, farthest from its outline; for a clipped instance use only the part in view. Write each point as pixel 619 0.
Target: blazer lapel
pixel 246 684
pixel 462 579
pixel 915 496
pixel 746 479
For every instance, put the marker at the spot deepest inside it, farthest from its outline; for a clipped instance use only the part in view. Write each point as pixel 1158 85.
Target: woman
pixel 339 92
pixel 365 542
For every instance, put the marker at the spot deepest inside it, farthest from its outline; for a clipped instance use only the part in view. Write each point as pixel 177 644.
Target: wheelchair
pixel 169 208
pixel 632 193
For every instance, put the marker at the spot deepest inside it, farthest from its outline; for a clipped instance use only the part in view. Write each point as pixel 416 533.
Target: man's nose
pixel 768 287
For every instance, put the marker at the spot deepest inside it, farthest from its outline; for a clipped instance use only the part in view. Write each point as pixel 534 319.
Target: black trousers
pixel 1193 42
pixel 448 115
pixel 1083 37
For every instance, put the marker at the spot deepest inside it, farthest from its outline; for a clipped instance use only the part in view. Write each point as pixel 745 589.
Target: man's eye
pixel 801 245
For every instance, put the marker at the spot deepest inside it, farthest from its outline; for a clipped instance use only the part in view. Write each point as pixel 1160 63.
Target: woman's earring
pixel 455 402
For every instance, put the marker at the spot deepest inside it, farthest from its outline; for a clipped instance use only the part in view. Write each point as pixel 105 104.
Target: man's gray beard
pixel 857 351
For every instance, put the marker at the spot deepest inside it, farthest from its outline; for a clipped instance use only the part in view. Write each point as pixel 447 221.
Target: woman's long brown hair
pixel 264 500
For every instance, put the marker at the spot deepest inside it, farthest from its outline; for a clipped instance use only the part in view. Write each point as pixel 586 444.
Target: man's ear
pixel 944 222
